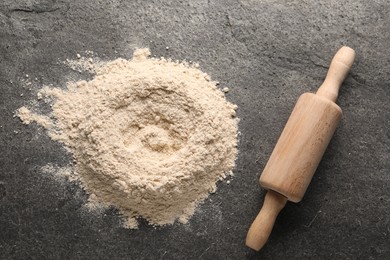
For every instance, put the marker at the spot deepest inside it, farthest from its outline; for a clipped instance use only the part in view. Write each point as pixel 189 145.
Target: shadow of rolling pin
pixel 300 148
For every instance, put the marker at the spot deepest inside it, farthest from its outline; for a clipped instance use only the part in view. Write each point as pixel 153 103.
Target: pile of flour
pixel 149 136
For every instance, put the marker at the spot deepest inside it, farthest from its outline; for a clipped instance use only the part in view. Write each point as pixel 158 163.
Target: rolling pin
pixel 300 147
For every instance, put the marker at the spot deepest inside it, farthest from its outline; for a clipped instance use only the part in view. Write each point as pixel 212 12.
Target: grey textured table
pixel 267 52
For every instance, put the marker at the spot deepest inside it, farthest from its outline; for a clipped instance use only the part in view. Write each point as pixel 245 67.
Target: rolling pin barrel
pixel 300 147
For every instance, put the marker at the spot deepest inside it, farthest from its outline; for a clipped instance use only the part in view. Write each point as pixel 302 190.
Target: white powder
pixel 27 117
pixel 90 64
pixel 60 172
pixel 149 136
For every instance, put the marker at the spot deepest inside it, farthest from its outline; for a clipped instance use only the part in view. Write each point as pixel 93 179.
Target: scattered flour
pixel 27 117
pixel 61 172
pixel 90 64
pixel 149 136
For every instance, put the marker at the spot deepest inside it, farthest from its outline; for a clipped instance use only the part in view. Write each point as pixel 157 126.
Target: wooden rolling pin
pixel 300 148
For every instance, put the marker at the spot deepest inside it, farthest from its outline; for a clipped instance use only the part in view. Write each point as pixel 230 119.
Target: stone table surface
pixel 267 52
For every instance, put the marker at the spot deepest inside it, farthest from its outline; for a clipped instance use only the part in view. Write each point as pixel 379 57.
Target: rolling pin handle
pixel 338 71
pixel 262 226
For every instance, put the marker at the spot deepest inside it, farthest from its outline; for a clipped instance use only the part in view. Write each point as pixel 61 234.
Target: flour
pixel 60 172
pixel 27 117
pixel 90 63
pixel 149 136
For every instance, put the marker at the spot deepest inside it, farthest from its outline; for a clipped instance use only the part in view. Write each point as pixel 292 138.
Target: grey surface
pixel 268 53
